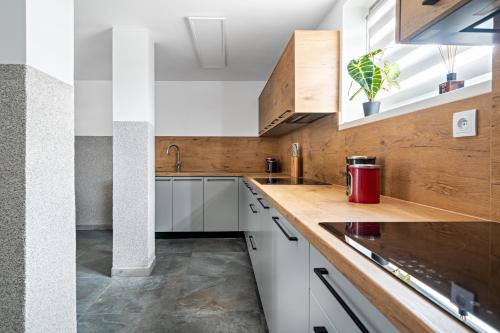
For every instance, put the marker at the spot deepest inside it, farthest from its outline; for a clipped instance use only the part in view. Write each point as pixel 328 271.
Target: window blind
pixel 422 68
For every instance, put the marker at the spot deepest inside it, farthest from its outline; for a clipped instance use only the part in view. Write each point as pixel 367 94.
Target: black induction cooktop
pixel 455 265
pixel 288 181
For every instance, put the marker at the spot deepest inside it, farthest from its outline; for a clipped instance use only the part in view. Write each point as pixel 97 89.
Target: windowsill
pixel 452 96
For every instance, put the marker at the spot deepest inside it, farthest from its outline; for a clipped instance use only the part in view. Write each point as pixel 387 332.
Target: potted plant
pixel 371 78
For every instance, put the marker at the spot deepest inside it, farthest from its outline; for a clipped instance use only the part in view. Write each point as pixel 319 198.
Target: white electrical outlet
pixel 464 123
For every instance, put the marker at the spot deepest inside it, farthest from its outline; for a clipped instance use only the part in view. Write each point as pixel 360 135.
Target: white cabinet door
pixel 163 204
pixel 187 204
pixel 220 204
pixel 244 201
pixel 319 322
pixel 290 278
pixel 326 282
pixel 265 257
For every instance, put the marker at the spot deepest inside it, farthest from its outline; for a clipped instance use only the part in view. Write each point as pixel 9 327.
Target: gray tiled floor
pixel 198 285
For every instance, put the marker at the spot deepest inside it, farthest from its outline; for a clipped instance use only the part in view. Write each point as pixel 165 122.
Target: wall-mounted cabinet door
pixel 221 204
pixel 290 278
pixel 163 204
pixel 187 204
pixel 414 17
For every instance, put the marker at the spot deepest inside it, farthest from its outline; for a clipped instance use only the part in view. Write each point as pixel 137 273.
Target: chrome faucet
pixel 178 162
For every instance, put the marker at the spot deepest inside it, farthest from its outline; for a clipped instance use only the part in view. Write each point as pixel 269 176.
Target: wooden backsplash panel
pixel 231 154
pixel 421 160
pixel 495 138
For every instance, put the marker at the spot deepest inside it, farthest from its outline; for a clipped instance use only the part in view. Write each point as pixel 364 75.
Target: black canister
pixel 271 165
pixel 351 160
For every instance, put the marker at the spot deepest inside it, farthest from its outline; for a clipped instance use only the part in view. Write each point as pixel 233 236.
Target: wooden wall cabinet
pixel 304 85
pixel 413 17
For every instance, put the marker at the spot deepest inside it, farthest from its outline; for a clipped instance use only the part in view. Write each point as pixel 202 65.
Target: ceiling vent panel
pixel 209 40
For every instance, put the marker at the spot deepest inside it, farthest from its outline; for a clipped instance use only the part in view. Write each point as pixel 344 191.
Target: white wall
pixel 32 33
pixel 207 108
pixel 183 108
pixel 333 19
pixel 12 32
pixel 133 75
pixel 93 108
pixel 50 47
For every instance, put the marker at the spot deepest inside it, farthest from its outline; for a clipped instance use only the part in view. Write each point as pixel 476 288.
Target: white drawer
pixel 318 320
pixel 362 309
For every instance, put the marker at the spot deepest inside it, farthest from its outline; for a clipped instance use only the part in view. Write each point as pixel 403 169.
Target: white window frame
pixel 354 44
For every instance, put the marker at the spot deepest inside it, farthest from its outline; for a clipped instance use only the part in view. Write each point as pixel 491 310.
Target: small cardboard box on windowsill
pixel 451 83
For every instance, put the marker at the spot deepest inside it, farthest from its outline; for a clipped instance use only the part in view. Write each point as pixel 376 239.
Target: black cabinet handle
pixel 252 208
pixel 290 238
pixel 320 329
pixel 188 180
pixel 429 2
pixel 260 200
pixel 252 191
pixel 250 238
pixel 320 272
pixel 220 180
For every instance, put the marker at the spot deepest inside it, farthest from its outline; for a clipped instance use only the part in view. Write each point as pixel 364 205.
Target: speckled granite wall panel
pixel 12 196
pixel 94 182
pixel 50 205
pixel 37 248
pixel 133 198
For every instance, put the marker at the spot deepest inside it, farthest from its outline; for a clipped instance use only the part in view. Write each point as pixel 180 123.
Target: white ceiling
pixel 256 33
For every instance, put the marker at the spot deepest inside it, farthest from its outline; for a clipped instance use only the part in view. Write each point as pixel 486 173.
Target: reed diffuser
pixel 449 55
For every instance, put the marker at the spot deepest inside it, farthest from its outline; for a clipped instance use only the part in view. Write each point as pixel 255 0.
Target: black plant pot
pixel 370 108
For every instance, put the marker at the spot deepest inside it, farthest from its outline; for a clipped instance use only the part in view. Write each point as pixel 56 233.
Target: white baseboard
pixel 134 271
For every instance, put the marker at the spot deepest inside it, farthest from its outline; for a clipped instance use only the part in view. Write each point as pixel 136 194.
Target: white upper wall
pixel 183 108
pixel 39 33
pixel 207 108
pixel 50 47
pixel 93 108
pixel 133 75
pixel 12 32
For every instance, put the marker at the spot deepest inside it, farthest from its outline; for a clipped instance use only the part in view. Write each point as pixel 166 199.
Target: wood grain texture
pixel 495 136
pixel 421 160
pixel 305 80
pixel 229 154
pixel 414 17
pixel 305 206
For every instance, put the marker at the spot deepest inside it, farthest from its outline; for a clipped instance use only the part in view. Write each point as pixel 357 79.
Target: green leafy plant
pixel 371 77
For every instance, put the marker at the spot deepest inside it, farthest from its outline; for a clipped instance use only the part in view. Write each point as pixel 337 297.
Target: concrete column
pixel 133 152
pixel 37 197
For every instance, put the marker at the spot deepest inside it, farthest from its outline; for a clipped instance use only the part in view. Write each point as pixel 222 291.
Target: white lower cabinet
pixel 187 210
pixel 163 204
pixel 243 204
pixel 319 322
pixel 290 278
pixel 220 209
pixel 345 307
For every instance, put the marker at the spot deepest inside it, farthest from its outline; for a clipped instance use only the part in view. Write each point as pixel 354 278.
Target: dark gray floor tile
pixel 219 264
pixel 94 263
pixel 135 294
pixel 168 246
pixel 94 234
pixel 108 323
pixel 207 295
pixel 230 322
pixel 174 264
pixel 88 290
pixel 219 245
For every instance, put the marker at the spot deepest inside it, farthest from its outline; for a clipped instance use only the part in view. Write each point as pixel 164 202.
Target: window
pixel 422 67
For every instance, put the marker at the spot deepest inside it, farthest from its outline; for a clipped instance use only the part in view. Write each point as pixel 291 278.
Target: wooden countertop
pixel 306 206
pixel 209 174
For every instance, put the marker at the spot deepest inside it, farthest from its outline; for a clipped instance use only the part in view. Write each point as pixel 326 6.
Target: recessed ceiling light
pixel 209 41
